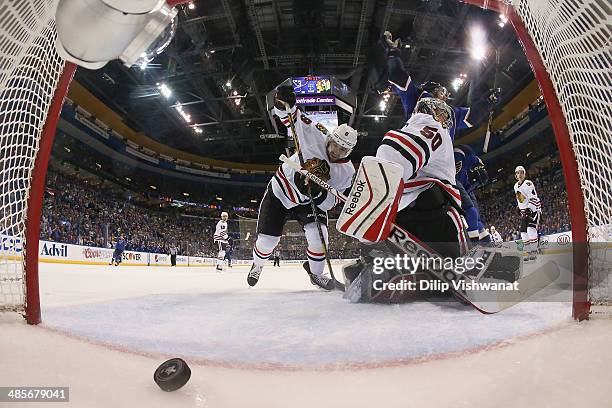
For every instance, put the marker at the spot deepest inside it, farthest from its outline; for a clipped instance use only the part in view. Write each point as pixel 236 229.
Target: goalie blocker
pixel 372 208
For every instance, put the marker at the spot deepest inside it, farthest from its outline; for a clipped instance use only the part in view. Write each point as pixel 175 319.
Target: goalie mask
pixel 341 142
pixel 438 109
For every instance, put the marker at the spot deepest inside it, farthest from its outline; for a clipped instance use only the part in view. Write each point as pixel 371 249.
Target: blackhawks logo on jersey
pixel 520 197
pixel 318 167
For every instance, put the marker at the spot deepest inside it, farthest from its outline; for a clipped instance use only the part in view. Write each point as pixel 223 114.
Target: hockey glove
pixel 478 175
pixel 302 183
pixel 284 94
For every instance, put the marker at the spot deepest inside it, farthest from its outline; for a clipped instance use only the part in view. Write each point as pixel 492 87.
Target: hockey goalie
pixel 428 210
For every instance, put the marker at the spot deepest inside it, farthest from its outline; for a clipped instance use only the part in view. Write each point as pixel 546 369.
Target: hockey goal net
pixel 567 43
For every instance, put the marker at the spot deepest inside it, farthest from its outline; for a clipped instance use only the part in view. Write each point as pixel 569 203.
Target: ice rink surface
pixel 286 344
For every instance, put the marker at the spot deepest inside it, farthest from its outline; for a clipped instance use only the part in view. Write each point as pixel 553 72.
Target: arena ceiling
pixel 253 45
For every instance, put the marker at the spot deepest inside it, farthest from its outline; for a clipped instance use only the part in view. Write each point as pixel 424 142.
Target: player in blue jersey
pixel 471 174
pixel 119 248
pixel 409 92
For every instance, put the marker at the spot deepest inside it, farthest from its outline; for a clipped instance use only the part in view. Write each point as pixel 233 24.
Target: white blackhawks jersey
pixel 312 139
pixel 425 150
pixel 497 237
pixel 221 232
pixel 526 196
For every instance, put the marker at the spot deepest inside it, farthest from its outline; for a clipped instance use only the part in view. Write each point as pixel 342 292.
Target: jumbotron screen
pixel 311 85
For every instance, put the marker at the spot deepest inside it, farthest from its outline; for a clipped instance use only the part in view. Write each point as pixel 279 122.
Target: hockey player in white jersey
pixel 430 205
pixel 286 196
pixel 531 210
pixel 221 239
pixel 495 235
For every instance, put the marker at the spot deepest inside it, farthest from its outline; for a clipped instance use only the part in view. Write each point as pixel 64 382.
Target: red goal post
pixel 567 44
pixel 34 81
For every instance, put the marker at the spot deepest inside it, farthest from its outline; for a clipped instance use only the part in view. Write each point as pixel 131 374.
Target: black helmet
pixel 435 89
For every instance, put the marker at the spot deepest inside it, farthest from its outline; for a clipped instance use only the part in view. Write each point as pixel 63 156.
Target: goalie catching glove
pixel 321 169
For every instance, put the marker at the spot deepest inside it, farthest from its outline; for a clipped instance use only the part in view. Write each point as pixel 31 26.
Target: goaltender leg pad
pixel 370 208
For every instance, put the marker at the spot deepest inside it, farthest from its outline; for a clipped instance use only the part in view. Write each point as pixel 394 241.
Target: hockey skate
pixel 533 255
pixel 253 276
pixel 321 281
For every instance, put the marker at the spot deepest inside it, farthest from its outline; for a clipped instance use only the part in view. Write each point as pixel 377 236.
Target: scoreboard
pixel 324 98
pixel 312 85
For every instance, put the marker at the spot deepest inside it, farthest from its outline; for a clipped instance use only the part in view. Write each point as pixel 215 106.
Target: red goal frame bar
pixel 37 188
pixel 581 304
pixel 36 196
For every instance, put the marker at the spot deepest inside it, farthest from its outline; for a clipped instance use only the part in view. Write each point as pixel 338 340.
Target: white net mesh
pixel 574 39
pixel 29 72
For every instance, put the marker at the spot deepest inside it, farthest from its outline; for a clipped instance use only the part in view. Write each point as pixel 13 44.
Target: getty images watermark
pixel 406 265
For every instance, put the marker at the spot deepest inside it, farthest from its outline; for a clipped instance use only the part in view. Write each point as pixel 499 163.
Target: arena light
pixel 228 84
pixel 165 90
pixel 478 45
pixel 219 198
pixel 191 6
pixel 502 20
pixel 153 187
pixel 185 115
pixel 67 149
pixel 457 83
pixel 197 130
pixel 186 194
pixel 128 179
pixel 254 201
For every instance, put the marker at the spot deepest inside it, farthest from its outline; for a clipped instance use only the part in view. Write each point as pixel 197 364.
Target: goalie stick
pixel 495 302
pixel 338 285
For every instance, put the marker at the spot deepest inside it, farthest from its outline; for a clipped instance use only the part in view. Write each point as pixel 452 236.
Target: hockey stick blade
pixel 494 302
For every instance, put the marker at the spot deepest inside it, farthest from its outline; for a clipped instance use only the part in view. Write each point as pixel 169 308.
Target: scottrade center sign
pixel 316 100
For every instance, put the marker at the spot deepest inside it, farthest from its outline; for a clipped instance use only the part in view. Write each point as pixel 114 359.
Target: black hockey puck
pixel 172 374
